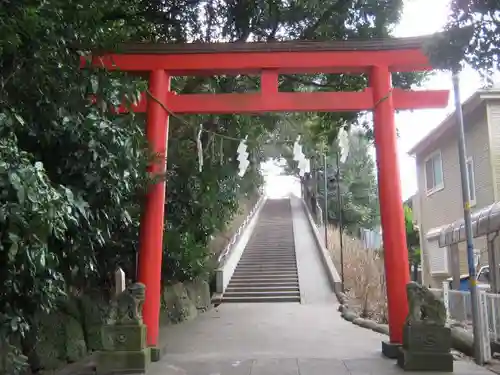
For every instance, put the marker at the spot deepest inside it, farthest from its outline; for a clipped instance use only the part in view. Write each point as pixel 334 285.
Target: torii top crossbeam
pixel 292 57
pixel 269 60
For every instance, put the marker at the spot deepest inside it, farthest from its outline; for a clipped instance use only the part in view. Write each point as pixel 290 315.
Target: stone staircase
pixel 267 270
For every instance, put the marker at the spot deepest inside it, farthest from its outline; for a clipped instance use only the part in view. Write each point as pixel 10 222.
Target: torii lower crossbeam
pixel 377 59
pixel 291 102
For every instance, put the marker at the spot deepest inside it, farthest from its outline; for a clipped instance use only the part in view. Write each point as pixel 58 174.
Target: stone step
pixel 260 299
pixel 269 256
pixel 261 257
pixel 266 267
pixel 264 284
pixel 289 259
pixel 273 263
pixel 262 262
pixel 268 251
pixel 271 272
pixel 262 288
pixel 264 294
pixel 255 284
pixel 267 270
pixel 266 276
pixel 264 280
pixel 240 274
pixel 271 245
pixel 269 259
pixel 292 264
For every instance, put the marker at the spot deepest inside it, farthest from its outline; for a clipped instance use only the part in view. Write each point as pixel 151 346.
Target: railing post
pixel 485 334
pixel 119 281
pixel 446 299
pixel 494 261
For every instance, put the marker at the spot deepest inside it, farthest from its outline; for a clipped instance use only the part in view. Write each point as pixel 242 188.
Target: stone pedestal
pixel 125 350
pixel 155 353
pixel 426 347
pixel 390 350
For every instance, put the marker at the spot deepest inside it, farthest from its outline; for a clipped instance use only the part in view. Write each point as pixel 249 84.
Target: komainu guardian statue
pixel 424 306
pixel 126 307
pixel 125 349
pixel 426 338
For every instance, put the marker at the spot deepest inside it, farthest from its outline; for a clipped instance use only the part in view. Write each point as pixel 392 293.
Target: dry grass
pixel 364 275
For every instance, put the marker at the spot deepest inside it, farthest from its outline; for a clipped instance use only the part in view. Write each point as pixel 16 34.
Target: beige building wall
pixel 444 205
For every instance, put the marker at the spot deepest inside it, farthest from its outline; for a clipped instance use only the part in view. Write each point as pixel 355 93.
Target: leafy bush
pixel 31 212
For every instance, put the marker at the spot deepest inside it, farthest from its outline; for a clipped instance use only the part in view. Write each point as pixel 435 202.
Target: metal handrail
pixel 229 247
pixel 483 221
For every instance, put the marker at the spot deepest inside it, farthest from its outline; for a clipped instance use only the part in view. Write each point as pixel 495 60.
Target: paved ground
pixel 281 338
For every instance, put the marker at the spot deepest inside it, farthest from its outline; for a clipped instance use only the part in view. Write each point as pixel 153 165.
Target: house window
pixel 472 182
pixel 434 173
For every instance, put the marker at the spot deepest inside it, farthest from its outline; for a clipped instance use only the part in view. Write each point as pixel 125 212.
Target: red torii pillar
pixel 397 272
pixel 153 216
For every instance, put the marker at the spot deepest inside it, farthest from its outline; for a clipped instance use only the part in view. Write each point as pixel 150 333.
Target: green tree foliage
pixel 70 172
pixel 357 183
pixel 470 36
pixel 412 236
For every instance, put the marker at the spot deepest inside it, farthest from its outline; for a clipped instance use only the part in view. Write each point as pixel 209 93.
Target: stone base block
pixel 422 337
pixel 415 361
pixel 155 353
pixel 124 337
pixel 390 350
pixel 123 362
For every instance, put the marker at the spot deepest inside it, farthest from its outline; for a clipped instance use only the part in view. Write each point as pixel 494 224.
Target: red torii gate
pixel 375 58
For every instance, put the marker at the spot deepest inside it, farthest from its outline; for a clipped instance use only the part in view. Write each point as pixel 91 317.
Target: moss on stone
pixel 68 334
pixel 93 309
pixel 76 347
pixel 49 349
pixel 199 293
pixel 177 304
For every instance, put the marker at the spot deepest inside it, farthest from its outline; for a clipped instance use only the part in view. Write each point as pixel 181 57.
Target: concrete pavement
pixel 309 338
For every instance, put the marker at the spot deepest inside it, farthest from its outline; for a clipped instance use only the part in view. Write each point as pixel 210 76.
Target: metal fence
pixel 459 308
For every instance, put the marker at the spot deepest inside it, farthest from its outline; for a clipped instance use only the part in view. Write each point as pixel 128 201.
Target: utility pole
pixel 339 200
pixel 325 203
pixel 476 316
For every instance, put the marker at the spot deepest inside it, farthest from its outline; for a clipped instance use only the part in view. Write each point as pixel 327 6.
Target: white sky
pixel 420 17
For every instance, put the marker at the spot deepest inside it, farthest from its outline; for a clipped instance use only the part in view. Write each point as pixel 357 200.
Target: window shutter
pixel 438 257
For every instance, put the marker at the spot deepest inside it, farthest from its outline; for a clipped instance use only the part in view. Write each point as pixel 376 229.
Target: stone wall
pixel 73 331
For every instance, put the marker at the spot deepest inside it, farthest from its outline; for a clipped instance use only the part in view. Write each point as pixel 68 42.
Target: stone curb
pixel 85 366
pixel 461 339
pixel 352 317
pixel 331 271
